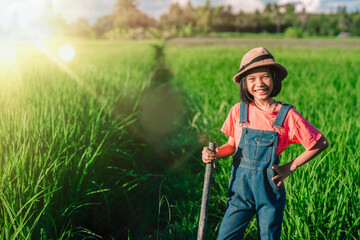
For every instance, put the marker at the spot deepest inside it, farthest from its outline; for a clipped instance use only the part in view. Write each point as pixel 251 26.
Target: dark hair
pixel 247 98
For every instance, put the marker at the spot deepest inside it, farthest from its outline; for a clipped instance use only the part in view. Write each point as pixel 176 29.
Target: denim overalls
pixel 251 190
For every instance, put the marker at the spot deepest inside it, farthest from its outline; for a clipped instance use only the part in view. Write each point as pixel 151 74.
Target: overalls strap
pixel 279 120
pixel 243 112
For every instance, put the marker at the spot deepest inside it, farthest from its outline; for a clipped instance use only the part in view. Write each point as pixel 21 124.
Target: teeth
pixel 260 91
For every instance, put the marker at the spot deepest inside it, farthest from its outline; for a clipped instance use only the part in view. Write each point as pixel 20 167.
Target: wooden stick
pixel 206 195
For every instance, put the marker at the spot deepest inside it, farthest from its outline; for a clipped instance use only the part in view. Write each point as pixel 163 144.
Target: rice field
pixel 108 145
pixel 65 151
pixel 323 83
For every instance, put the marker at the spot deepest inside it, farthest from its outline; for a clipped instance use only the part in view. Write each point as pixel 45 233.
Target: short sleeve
pixel 229 125
pixel 304 133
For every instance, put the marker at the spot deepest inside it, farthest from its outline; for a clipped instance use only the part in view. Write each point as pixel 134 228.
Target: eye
pixel 266 77
pixel 251 79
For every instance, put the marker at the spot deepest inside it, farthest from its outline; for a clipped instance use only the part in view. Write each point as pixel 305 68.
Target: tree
pixel 103 24
pixel 302 18
pixel 80 28
pixel 126 15
pixel 290 16
pixel 123 6
pixel 175 16
pixel 203 15
pixel 223 19
pixel 344 21
pixel 356 24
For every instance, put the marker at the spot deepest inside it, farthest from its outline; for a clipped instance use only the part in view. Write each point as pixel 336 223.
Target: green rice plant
pixel 66 146
pixel 86 144
pixel 323 86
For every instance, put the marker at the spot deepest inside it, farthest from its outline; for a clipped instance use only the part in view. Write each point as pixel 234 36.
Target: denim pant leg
pixel 240 208
pixel 235 221
pixel 269 220
pixel 270 211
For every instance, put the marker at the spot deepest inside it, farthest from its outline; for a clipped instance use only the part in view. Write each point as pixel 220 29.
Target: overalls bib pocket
pixel 258 151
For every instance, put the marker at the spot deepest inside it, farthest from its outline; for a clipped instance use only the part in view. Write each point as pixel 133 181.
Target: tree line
pixel 127 21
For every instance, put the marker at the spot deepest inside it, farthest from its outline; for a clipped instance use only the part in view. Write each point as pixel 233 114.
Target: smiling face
pixel 259 83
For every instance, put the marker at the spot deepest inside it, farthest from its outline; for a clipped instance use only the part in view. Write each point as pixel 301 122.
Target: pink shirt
pixel 296 129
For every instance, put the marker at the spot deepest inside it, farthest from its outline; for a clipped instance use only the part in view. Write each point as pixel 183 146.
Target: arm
pixel 285 170
pixel 221 152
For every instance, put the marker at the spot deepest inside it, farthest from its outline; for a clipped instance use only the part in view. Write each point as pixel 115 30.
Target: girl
pixel 259 129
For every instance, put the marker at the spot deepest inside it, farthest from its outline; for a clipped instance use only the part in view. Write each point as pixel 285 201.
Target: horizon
pixel 20 13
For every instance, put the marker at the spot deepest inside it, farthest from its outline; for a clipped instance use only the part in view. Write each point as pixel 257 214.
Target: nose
pixel 259 81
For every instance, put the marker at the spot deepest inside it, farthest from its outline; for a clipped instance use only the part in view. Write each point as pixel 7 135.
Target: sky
pixel 21 12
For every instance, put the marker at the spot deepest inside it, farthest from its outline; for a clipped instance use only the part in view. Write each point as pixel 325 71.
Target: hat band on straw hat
pixel 257 59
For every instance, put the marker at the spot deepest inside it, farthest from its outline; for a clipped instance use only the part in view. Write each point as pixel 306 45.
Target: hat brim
pixel 281 70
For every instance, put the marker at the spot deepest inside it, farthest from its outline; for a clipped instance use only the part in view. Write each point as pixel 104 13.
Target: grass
pixel 322 85
pixel 108 146
pixel 66 149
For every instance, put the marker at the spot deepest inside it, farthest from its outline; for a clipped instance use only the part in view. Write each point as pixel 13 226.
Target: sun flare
pixel 66 52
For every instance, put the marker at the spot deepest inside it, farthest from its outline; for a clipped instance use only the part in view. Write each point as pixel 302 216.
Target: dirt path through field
pixel 161 108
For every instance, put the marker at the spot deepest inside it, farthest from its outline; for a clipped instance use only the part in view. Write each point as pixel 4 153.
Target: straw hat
pixel 258 57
